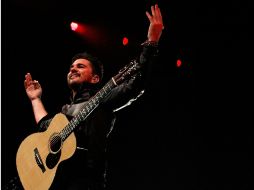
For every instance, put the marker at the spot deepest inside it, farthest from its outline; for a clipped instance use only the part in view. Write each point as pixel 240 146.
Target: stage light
pixel 178 63
pixel 74 26
pixel 125 41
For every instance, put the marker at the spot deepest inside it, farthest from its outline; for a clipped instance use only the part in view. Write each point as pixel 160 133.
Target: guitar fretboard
pixel 87 109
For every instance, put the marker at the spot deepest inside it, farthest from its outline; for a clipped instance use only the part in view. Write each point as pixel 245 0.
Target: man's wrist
pixel 150 43
pixel 38 99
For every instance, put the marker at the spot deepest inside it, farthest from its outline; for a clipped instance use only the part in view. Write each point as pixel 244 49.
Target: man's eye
pixel 81 66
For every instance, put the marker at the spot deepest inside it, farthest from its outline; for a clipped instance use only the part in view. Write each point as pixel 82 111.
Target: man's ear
pixel 95 79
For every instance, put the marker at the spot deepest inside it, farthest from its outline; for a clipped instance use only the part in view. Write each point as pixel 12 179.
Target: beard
pixel 74 85
pixel 77 86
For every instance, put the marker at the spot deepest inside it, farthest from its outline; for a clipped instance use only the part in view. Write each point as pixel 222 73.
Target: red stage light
pixel 125 41
pixel 74 26
pixel 178 63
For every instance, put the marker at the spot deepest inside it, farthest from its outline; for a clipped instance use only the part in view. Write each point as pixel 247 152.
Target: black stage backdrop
pixel 192 129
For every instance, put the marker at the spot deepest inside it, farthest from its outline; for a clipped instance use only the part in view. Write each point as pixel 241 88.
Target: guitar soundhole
pixel 55 143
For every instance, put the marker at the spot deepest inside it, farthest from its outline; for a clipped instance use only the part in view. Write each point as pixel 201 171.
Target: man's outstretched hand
pixel 32 87
pixel 156 24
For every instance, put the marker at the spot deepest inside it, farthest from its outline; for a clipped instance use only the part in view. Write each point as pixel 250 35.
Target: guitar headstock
pixel 126 72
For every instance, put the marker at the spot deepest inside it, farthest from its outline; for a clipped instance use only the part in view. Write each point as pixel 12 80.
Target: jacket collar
pixel 84 93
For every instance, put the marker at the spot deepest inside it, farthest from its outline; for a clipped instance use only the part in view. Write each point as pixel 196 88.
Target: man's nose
pixel 73 69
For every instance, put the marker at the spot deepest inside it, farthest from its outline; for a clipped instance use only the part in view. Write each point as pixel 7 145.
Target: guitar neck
pixel 87 109
pixel 125 73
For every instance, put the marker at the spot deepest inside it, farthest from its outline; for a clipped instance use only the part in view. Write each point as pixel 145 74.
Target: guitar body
pixel 40 154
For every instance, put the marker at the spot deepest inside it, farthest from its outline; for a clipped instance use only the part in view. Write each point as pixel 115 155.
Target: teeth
pixel 74 75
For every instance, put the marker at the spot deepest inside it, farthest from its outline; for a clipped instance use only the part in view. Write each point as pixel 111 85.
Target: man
pixel 86 168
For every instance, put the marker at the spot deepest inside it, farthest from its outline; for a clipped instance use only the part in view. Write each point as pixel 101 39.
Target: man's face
pixel 81 71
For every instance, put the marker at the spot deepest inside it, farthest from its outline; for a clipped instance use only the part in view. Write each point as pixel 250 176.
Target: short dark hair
pixel 96 63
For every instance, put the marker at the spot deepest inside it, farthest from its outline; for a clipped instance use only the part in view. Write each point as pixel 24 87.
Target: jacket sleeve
pixel 132 88
pixel 44 123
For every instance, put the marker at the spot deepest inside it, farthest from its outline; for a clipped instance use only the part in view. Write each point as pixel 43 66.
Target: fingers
pixel 155 10
pixel 159 17
pixel 32 85
pixel 152 10
pixel 155 16
pixel 158 11
pixel 30 82
pixel 149 16
pixel 36 84
pixel 28 77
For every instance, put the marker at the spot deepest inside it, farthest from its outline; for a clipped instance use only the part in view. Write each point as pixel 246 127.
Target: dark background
pixel 193 128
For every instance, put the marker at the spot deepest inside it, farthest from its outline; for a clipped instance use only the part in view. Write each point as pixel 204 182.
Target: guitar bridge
pixel 39 160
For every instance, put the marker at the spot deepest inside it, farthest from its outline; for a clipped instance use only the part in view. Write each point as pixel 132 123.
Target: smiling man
pixel 86 168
